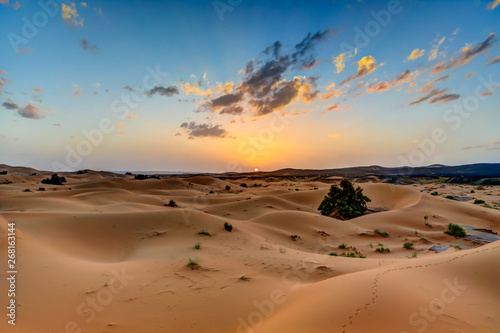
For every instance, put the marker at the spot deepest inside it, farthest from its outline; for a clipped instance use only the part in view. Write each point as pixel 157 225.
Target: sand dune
pixel 104 254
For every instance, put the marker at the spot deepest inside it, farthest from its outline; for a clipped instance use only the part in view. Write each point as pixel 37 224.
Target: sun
pixel 256 170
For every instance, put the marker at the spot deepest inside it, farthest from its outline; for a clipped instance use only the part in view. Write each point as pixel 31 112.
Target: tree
pixel 345 201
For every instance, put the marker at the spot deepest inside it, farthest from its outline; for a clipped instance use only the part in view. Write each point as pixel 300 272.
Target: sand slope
pixel 107 255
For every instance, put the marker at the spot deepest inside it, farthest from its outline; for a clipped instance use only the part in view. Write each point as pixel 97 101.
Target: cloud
pixel 492 5
pixel 473 147
pixel 188 88
pixel 365 66
pixel 435 95
pixel 415 54
pixel 434 51
pixel 339 62
pixel 57 125
pixel 78 91
pixel 467 54
pixel 379 87
pixel 131 115
pixel 69 14
pixel 83 4
pixel 38 89
pixel 92 48
pixel 264 87
pixel 469 75
pixel 487 93
pixel 204 130
pixel 168 91
pixel 15 5
pixel 493 60
pixel 9 105
pixel 333 107
pixel 129 88
pixel 29 111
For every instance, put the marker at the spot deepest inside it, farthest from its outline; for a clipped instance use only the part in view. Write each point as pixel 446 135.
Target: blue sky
pixel 248 84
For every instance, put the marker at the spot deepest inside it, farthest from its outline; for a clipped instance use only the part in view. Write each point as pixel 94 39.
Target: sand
pixel 103 253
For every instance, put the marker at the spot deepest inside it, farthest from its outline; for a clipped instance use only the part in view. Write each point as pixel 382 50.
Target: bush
pixel 197 246
pixel 408 245
pixel 472 191
pixel 333 254
pixel 455 230
pixel 479 202
pixel 141 177
pixel 204 232
pixel 434 193
pixel 228 227
pixel 27 190
pixel 228 187
pixel 81 172
pixel 128 173
pixel 345 201
pixel 41 188
pixel 171 203
pixel 342 246
pixel 54 180
pixel 382 249
pixel 243 185
pixel 193 263
pixel 451 197
pixel 381 233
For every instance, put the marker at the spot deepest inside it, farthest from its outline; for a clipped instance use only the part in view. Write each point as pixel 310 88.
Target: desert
pixel 106 252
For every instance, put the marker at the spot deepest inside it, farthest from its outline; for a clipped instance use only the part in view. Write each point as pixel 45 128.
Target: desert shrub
pixel 171 203
pixel 408 245
pixel 204 232
pixel 3 172
pixel 197 246
pixel 455 230
pixel 128 173
pixel 282 250
pixel 343 246
pixel 243 185
pixel 333 254
pixel 382 249
pixel 54 180
pixel 451 197
pixel 472 191
pixel 434 193
pixel 479 202
pixel 81 172
pixel 27 190
pixel 41 189
pixel 228 187
pixel 228 227
pixel 193 263
pixel 345 200
pixel 381 233
pixel 141 177
pixel 211 192
pixel 457 247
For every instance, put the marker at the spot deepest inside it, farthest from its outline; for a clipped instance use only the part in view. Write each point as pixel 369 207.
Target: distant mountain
pixel 470 170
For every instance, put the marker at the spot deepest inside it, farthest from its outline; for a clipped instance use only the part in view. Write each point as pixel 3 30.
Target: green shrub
pixel 434 193
pixel 228 187
pixel 197 246
pixel 346 201
pixel 451 197
pixel 381 233
pixel 382 249
pixel 472 191
pixel 457 247
pixel 333 254
pixel 479 202
pixel 455 230
pixel 193 263
pixel 171 203
pixel 27 190
pixel 228 226
pixel 408 245
pixel 204 232
pixel 41 189
pixel 343 246
pixel 54 180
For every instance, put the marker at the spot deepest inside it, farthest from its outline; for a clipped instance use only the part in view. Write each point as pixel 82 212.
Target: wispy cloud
pixel 493 4
pixel 168 91
pixel 466 55
pixel 195 130
pixel 473 147
pixel 366 66
pixel 29 111
pixel 493 61
pixel 69 15
pixel 92 48
pixel 415 54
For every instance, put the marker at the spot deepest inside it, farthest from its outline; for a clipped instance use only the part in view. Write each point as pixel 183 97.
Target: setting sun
pixel 256 170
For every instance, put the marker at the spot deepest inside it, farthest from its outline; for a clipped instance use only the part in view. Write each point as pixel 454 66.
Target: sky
pixel 234 85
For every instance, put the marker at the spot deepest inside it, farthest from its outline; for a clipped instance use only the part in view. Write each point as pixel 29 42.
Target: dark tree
pixel 345 201
pixel 54 180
